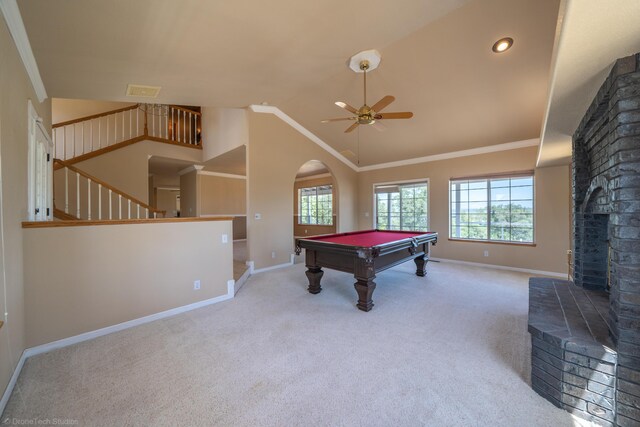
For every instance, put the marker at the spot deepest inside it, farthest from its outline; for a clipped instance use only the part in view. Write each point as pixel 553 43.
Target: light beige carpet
pixel 450 349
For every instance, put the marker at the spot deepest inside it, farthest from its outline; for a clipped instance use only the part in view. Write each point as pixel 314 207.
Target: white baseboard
pixel 253 270
pixel 503 267
pixel 33 351
pixel 12 382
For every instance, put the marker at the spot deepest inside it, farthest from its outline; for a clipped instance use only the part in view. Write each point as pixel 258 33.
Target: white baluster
pixel 91 133
pixel 77 195
pixel 137 122
pixel 173 126
pixel 190 129
pixel 99 201
pixel 82 136
pixel 178 125
pixel 110 196
pixel 119 206
pixel 146 213
pixel 128 208
pixel 137 210
pixel 89 199
pixel 73 140
pixel 130 123
pixel 184 127
pixel 66 190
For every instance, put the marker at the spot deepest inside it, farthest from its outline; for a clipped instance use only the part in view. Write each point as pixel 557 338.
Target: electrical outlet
pixel 273 254
pixel 196 285
pixel 225 238
pixel 486 253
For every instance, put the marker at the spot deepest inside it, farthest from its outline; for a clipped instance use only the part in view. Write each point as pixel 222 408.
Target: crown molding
pixel 221 175
pixel 454 154
pixel 268 109
pixel 15 24
pixel 190 168
pixel 306 132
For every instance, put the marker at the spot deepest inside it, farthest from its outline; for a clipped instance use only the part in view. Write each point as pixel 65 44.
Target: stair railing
pixel 77 139
pixel 89 198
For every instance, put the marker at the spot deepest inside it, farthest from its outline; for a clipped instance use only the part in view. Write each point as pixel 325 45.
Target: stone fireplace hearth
pixel 586 334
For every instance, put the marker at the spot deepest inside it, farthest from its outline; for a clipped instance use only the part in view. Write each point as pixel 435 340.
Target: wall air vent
pixel 143 91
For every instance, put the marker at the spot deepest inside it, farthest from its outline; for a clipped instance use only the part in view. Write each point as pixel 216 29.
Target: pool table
pixel 364 253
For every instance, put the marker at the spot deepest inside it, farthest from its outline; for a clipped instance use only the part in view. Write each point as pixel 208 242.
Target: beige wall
pixel 63 110
pixel 552 192
pixel 275 153
pixel 312 230
pixel 15 90
pixel 166 201
pixel 223 129
pixel 189 190
pixel 222 195
pixel 127 168
pixel 83 278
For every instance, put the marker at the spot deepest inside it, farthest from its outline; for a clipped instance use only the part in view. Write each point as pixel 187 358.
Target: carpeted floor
pixel 450 349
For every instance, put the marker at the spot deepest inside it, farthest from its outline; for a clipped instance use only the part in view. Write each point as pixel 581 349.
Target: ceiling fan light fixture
pixel 502 45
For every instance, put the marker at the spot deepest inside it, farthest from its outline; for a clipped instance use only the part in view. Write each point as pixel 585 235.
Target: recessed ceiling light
pixel 502 45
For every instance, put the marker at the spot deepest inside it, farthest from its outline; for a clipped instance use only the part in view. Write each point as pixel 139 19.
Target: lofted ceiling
pixel 436 61
pixel 592 35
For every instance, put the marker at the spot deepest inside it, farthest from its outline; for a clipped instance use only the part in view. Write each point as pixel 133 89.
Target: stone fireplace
pixel 586 334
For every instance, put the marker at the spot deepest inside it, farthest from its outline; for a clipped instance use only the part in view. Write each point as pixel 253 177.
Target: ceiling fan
pixel 366 115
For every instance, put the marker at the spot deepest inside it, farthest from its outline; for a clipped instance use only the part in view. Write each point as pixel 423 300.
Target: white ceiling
pixel 436 61
pixel 594 33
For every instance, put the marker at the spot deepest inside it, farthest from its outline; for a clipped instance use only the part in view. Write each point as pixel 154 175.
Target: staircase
pixel 81 196
pixel 81 139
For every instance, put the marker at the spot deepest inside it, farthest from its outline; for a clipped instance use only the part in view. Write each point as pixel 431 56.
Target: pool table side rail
pixel 363 251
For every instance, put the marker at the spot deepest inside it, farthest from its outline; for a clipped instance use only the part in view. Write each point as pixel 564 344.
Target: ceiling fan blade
pixel 338 119
pixel 352 127
pixel 347 107
pixel 383 103
pixel 379 126
pixel 403 115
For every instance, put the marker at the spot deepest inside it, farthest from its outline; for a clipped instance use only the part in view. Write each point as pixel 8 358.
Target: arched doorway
pixel 315 199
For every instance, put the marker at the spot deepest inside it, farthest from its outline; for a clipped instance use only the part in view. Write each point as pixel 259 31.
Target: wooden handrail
pixel 107 186
pixel 186 110
pixel 95 116
pixel 81 223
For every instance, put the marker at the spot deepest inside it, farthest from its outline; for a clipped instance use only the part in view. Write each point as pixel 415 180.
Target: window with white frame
pixel 492 208
pixel 315 205
pixel 402 206
pixel 40 169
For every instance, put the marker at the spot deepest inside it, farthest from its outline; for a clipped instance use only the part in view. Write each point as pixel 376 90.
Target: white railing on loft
pixel 173 123
pixel 75 139
pixel 87 197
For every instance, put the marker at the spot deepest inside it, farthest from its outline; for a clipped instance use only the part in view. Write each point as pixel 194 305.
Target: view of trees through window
pixel 499 209
pixel 401 206
pixel 315 205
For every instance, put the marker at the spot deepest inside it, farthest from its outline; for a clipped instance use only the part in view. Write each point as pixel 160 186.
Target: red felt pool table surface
pixel 368 238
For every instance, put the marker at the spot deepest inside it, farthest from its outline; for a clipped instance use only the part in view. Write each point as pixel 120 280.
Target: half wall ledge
pixel 81 223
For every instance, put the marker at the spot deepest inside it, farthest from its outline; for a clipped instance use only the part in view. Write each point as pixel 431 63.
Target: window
pixel 401 206
pixel 315 205
pixel 492 208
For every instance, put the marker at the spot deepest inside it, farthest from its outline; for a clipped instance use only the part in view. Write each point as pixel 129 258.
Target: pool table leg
pixel 314 274
pixel 365 288
pixel 421 265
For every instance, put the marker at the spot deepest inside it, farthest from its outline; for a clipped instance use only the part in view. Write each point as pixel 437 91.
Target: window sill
pixel 492 242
